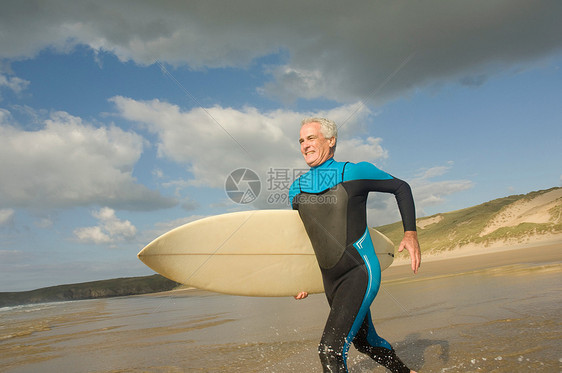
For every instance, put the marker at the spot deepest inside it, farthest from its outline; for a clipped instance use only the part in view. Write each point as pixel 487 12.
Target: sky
pixel 120 120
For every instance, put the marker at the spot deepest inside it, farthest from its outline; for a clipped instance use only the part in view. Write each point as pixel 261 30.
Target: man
pixel 331 199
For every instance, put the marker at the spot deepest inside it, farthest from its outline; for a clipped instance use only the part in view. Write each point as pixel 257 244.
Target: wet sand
pixel 497 312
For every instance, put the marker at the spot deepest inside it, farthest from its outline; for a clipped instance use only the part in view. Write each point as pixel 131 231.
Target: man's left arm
pixel 380 181
pixel 405 201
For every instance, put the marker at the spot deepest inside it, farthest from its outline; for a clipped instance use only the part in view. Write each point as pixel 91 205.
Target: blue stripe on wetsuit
pixel 365 248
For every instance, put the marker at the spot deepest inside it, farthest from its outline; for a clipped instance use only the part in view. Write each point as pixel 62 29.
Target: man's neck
pixel 325 163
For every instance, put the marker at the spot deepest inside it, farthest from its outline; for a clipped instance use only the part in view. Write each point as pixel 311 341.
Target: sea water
pixel 501 319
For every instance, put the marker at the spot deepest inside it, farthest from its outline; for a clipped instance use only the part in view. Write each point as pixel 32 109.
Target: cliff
pixel 89 290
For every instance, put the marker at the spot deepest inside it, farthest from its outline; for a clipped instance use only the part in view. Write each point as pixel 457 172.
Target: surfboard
pixel 251 253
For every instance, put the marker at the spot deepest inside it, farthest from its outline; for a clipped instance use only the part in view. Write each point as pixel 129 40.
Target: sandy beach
pixel 464 312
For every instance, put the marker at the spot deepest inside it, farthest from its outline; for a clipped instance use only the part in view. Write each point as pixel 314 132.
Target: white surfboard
pixel 253 253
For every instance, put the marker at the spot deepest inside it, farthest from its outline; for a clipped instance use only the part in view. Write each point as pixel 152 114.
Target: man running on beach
pixel 337 227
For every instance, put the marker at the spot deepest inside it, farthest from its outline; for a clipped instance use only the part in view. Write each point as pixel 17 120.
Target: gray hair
pixel 328 127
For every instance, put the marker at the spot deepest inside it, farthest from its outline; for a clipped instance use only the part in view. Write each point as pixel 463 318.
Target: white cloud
pixel 6 216
pixel 188 204
pixel 345 53
pixel 110 229
pixel 427 193
pixel 71 163
pixel 358 150
pixel 215 141
pixel 433 172
pixel 13 83
pixel 92 235
pixel 5 116
pixel 158 173
pixel 166 226
pixel 44 223
pixel 433 193
pixel 10 257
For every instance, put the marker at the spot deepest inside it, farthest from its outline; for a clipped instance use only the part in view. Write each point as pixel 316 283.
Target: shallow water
pixel 498 319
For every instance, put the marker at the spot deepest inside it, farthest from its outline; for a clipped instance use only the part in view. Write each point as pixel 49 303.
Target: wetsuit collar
pixel 326 164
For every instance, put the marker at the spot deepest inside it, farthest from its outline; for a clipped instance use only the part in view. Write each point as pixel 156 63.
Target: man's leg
pixel 334 345
pixel 369 342
pixel 346 301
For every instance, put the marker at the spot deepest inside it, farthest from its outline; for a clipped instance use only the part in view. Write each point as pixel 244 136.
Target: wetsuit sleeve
pixel 371 179
pixel 403 194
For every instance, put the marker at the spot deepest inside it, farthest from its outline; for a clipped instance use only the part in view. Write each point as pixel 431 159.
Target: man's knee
pixel 362 346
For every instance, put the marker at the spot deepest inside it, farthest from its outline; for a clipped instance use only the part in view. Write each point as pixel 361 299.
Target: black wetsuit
pixel 331 200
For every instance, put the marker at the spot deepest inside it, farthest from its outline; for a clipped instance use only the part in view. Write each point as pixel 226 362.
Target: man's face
pixel 315 148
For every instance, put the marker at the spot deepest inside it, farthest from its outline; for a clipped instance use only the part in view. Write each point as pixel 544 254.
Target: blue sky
pixel 122 120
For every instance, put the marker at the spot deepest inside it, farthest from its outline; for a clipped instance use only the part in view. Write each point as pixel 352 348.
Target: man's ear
pixel 332 142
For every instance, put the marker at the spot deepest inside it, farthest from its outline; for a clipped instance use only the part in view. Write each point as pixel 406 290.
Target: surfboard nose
pixel 143 253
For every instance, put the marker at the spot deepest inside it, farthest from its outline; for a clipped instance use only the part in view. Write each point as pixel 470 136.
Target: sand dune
pixel 503 224
pixel 535 210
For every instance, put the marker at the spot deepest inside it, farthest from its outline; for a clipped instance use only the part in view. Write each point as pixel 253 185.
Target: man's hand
pixel 301 295
pixel 410 243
